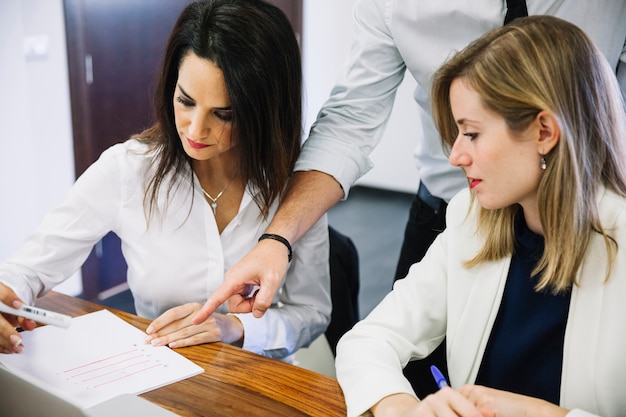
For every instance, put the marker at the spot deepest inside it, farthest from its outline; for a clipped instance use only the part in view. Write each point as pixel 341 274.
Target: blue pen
pixel 439 378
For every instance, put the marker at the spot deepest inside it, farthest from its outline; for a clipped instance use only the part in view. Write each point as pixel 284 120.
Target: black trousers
pixel 424 225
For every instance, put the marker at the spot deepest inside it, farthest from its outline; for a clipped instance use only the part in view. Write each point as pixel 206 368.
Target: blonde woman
pixel 527 283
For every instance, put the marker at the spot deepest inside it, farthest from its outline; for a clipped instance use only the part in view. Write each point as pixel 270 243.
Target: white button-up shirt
pixel 181 257
pixel 393 36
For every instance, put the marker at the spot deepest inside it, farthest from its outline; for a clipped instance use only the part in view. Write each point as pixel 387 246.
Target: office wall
pixel 36 154
pixel 327 26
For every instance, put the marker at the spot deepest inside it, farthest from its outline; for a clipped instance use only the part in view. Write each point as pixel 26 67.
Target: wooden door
pixel 114 53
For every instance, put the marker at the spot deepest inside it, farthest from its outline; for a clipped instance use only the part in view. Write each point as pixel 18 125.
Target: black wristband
pixel 281 240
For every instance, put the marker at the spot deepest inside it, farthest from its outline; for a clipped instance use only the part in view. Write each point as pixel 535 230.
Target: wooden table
pixel 235 382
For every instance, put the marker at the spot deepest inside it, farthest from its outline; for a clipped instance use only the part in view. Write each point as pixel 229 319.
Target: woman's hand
pixel 175 329
pixel 507 404
pixel 10 339
pixel 444 403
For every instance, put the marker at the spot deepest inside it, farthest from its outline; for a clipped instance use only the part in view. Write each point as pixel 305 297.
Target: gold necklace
pixel 214 200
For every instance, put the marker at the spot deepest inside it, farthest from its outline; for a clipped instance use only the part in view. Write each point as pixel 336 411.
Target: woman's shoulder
pixel 130 148
pixel 132 151
pixel 128 161
pixel 612 208
pixel 458 207
pixel 462 198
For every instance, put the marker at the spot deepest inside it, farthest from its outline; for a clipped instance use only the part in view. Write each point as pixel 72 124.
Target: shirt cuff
pixel 342 160
pixel 255 331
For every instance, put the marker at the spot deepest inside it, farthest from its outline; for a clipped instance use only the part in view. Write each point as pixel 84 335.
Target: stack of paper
pixel 99 357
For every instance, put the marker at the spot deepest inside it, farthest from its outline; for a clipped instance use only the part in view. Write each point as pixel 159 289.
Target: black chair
pixel 344 292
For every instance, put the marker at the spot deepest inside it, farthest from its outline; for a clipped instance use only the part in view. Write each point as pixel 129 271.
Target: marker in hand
pixel 38 314
pixel 439 378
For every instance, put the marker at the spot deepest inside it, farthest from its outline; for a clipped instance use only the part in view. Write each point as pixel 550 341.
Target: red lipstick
pixel 474 183
pixel 196 145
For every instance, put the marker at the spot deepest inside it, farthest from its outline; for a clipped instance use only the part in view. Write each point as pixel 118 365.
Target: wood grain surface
pixel 235 382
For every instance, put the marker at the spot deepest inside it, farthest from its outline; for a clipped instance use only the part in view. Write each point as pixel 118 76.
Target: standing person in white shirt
pixel 194 193
pixel 391 37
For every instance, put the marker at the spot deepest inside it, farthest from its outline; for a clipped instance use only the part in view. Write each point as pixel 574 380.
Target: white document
pixel 99 357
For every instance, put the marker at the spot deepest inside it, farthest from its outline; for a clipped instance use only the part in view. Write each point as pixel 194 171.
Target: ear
pixel 549 131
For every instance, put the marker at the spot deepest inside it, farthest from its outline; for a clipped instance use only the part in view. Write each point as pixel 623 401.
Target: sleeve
pixel 302 306
pixel 67 233
pixel 409 323
pixel 352 121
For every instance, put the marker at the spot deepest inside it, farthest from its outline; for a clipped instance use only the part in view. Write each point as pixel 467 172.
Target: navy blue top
pixel 524 353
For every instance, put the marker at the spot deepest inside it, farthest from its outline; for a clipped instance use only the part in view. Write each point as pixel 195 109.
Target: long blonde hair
pixel 545 63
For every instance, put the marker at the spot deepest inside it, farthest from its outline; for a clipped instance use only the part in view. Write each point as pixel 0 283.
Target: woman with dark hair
pixel 193 194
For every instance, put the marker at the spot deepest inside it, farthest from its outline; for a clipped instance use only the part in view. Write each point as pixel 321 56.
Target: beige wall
pixel 36 156
pixel 326 32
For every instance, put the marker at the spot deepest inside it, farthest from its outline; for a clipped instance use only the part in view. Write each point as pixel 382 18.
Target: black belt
pixel 430 200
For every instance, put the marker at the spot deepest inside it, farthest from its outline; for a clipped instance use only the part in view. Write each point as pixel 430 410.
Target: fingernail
pixel 149 329
pixel 148 339
pixel 16 340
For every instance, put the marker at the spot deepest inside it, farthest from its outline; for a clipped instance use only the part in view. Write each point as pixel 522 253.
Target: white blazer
pixel 441 298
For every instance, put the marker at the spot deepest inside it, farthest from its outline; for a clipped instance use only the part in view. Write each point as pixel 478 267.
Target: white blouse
pixel 179 257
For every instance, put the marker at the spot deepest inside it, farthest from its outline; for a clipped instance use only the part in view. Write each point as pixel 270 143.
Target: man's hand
pixel 264 267
pixel 309 195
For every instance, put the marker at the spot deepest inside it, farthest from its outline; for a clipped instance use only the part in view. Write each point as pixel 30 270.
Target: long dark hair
pixel 254 45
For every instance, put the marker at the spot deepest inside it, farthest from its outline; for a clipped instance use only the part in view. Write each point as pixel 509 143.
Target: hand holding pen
pixel 442 382
pixel 10 339
pixel 16 314
pixel 448 402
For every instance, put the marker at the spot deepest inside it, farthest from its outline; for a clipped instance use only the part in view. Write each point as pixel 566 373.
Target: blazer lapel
pixel 474 302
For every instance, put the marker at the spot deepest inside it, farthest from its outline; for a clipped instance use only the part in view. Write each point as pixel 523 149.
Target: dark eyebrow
pixel 182 90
